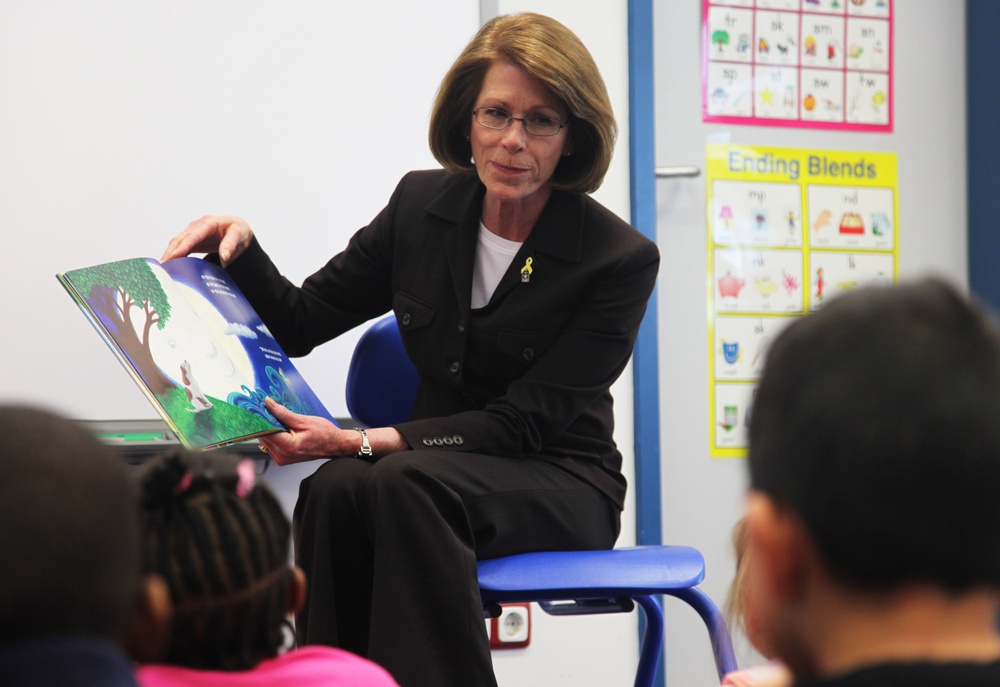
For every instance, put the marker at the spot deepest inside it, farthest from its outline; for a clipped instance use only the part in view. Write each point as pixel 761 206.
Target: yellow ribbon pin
pixel 526 271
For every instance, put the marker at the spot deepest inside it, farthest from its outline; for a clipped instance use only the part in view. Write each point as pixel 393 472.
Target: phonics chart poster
pixel 788 229
pixel 798 63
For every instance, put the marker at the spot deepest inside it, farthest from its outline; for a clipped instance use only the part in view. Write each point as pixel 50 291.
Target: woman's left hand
pixel 311 438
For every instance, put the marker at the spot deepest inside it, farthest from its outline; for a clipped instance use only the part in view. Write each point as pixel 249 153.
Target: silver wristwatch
pixel 366 448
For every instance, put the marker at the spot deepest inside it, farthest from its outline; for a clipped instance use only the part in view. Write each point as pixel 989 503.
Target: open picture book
pixel 195 347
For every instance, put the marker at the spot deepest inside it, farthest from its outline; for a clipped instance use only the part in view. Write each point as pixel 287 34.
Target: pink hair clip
pixel 246 478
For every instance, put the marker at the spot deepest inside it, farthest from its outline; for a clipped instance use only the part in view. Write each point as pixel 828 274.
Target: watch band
pixel 366 448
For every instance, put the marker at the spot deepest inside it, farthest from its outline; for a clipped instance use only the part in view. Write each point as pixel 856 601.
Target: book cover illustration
pixel 193 344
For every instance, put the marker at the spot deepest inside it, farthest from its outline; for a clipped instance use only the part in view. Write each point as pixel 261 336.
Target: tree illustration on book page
pixel 130 296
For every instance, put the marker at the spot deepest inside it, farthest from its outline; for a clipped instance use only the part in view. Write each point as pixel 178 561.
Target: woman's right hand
pixel 309 437
pixel 226 235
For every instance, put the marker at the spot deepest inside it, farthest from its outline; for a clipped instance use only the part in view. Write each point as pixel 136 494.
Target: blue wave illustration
pixel 252 400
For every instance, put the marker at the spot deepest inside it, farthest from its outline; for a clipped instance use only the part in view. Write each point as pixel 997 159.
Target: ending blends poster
pixel 787 230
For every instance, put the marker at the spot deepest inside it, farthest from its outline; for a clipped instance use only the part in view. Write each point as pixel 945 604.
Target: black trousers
pixel 390 548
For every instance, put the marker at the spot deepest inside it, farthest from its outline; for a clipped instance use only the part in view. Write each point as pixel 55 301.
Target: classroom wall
pixel 981 53
pixel 120 122
pixel 702 495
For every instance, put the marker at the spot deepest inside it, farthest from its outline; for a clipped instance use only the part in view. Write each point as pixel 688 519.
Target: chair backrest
pixel 381 380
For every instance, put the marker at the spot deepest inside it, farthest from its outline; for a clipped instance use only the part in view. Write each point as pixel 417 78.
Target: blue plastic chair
pixel 381 386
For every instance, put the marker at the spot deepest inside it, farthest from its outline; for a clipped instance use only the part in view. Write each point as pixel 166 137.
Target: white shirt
pixel 493 256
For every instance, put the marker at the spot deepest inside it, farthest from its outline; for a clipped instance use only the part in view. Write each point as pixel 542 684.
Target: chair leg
pixel 722 644
pixel 652 641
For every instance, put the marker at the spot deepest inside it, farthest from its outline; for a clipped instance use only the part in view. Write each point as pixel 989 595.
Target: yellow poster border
pixel 804 167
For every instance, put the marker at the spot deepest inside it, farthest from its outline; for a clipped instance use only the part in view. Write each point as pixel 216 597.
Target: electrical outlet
pixel 512 630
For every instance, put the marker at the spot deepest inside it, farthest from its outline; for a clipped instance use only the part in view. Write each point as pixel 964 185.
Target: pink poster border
pixel 798 123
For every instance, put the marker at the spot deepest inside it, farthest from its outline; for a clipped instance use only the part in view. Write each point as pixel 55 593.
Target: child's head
pixel 873 462
pixel 736 601
pixel 69 534
pixel 220 540
pixel 876 423
pixel 739 605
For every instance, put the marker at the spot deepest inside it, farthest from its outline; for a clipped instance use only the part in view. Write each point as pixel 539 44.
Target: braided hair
pixel 221 543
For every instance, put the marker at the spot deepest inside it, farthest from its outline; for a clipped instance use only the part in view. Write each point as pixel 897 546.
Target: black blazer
pixel 527 375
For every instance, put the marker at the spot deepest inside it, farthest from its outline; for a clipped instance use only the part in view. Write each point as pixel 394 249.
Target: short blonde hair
pixel 551 53
pixel 736 602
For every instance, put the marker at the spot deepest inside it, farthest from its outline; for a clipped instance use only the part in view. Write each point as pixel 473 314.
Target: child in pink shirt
pixel 220 541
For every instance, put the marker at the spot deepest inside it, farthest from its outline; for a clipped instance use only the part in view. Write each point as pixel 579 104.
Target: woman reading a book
pixel 519 299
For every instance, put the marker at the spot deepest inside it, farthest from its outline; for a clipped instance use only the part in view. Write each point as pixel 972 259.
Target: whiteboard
pixel 121 121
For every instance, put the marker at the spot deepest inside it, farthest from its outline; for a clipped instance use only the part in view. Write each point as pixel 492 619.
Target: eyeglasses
pixel 536 125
